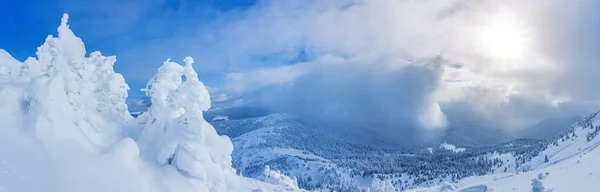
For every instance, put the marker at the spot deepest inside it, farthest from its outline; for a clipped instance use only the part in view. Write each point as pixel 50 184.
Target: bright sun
pixel 502 38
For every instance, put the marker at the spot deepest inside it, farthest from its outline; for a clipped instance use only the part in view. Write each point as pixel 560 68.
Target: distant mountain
pixel 474 135
pixel 547 128
pixel 467 129
pixel 234 113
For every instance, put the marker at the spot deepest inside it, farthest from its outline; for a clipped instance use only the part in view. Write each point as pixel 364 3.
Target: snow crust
pixel 65 127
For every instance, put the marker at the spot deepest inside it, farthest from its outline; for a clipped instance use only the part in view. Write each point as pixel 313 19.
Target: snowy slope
pixel 568 162
pixel 576 141
pixel 580 173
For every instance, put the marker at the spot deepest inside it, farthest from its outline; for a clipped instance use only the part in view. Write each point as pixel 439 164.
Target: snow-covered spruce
pixel 73 96
pixel 175 132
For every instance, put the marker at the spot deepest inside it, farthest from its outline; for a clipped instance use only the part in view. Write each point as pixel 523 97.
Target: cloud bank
pixel 365 62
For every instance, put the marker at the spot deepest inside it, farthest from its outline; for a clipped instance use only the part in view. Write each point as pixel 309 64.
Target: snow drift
pixel 65 127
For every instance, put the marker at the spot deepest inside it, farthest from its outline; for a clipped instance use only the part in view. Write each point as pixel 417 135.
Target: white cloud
pixel 365 48
pixel 383 34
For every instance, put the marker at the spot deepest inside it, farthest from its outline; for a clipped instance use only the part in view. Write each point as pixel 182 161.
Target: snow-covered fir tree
pixel 175 132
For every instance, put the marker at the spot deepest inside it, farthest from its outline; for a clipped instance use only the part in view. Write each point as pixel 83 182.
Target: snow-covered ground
pixel 579 173
pixel 569 163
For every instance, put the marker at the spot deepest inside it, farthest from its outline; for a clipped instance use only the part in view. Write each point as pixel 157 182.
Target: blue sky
pixel 354 61
pixel 114 27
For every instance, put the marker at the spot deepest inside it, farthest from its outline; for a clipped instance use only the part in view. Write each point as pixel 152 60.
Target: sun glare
pixel 502 38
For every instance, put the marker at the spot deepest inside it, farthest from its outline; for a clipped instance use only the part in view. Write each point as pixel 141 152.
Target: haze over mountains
pixel 462 132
